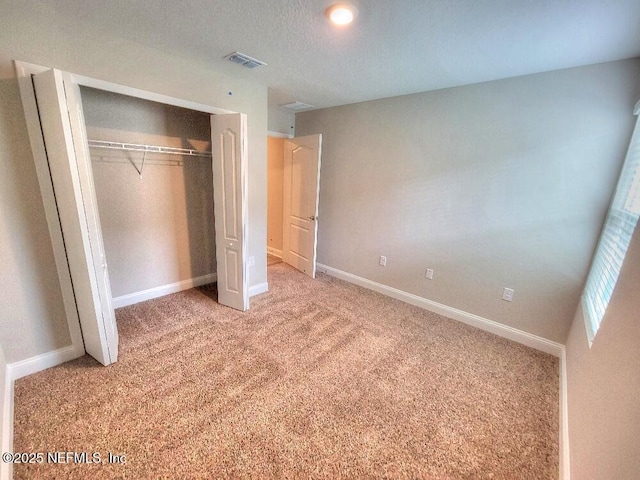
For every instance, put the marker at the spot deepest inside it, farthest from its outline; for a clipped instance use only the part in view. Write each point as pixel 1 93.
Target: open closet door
pixel 301 191
pixel 63 128
pixel 229 157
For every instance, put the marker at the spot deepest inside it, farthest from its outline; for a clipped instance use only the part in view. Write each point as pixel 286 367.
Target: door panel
pixel 229 157
pixel 76 117
pixel 300 202
pixel 60 111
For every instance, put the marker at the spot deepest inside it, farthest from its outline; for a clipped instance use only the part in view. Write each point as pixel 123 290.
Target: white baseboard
pixel 565 465
pixel 162 290
pixel 258 289
pixel 528 339
pixel 41 362
pixel 13 372
pixel 274 251
pixel 137 297
pixel 6 442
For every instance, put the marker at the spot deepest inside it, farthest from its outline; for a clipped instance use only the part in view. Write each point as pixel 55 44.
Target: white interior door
pixel 229 157
pixel 300 202
pixel 63 128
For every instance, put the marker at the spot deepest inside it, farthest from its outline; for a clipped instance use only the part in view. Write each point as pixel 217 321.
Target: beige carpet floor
pixel 320 379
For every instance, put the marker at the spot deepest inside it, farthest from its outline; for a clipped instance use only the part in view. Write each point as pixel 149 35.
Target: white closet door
pixel 63 127
pixel 229 157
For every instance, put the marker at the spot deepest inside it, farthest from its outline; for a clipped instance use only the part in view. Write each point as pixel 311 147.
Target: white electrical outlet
pixel 507 294
pixel 252 261
pixel 383 261
pixel 429 274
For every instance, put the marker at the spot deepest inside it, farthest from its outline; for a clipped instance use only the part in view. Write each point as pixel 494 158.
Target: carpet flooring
pixel 320 379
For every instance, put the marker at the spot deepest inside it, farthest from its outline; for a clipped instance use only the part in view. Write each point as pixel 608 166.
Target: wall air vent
pixel 296 106
pixel 244 60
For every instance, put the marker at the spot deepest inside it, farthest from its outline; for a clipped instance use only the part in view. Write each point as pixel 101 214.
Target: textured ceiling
pixel 393 47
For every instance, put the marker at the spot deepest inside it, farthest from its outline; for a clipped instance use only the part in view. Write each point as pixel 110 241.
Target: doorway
pixel 293 200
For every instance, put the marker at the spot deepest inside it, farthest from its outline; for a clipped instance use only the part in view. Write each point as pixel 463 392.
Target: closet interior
pixel 152 172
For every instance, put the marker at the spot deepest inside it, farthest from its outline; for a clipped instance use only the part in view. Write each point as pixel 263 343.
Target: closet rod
pixel 135 147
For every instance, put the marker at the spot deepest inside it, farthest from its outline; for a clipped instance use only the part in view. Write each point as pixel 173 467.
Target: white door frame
pixel 24 71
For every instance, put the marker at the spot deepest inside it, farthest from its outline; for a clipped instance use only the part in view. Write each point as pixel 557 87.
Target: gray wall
pixel 504 183
pixel 281 121
pixel 603 383
pixel 32 318
pixel 157 229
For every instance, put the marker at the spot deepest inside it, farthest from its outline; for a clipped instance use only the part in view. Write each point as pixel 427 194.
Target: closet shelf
pixel 136 147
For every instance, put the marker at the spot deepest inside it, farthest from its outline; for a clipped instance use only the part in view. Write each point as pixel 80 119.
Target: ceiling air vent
pixel 295 106
pixel 244 60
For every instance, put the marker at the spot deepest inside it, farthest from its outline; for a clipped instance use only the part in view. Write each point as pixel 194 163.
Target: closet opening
pixel 152 174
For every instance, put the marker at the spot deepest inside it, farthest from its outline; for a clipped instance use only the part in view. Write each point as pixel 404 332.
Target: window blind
pixel 614 240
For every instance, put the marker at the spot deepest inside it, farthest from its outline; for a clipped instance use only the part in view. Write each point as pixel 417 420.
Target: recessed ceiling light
pixel 341 13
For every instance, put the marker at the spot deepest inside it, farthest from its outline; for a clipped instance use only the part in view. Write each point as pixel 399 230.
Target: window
pixel 614 240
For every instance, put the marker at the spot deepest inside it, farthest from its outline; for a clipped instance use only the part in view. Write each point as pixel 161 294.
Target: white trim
pixel 162 290
pixel 275 252
pixel 271 133
pixel 564 461
pixel 6 442
pixel 41 362
pixel 258 289
pixel 485 324
pixel 636 108
pixel 154 97
pixel 13 372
